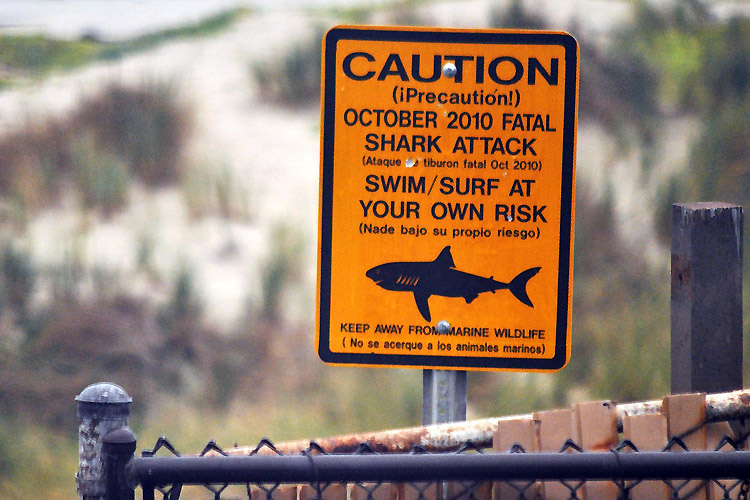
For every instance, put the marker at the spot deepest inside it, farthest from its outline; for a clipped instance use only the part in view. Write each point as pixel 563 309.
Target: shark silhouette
pixel 440 277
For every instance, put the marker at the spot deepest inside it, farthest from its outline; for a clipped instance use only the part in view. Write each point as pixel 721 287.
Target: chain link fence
pixel 470 473
pixel 705 457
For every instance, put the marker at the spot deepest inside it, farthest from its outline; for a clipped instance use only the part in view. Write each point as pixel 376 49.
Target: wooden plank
pixel 449 437
pixel 521 432
pixel 281 493
pixel 647 433
pixel 686 417
pixel 555 428
pixel 334 491
pixel 715 433
pixel 596 428
pixel 470 490
pixel 596 425
pixel 420 491
pixel 706 308
pixel 373 491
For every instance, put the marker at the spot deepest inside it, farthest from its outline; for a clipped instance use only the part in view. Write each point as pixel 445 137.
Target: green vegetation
pixel 146 126
pixel 31 456
pixel 282 267
pixel 263 378
pixel 118 133
pixel 669 62
pixel 213 188
pixel 699 69
pixel 516 17
pixel 38 55
pixel 294 78
pixel 705 74
pixel 206 27
pixel 33 55
pixel 402 12
pixel 100 177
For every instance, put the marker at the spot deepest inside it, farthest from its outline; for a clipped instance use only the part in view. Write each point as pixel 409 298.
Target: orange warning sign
pixel 446 194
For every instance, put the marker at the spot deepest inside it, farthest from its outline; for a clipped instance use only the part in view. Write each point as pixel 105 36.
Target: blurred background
pixel 158 212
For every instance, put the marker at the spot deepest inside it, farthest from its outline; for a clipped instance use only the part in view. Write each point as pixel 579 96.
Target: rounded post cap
pixel 104 392
pixel 119 435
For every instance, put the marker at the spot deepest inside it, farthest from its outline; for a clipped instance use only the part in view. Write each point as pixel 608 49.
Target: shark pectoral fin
pixel 422 305
pixel 470 298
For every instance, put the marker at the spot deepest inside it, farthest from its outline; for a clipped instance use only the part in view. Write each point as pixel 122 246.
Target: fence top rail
pixel 451 436
pixel 159 471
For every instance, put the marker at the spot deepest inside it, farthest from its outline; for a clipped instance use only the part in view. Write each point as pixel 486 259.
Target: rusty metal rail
pixel 449 437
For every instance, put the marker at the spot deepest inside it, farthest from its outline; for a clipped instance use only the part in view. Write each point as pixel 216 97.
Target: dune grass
pixel 119 134
pixel 35 56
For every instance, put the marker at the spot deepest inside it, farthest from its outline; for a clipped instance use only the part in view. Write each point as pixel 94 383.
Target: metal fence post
pixel 118 447
pixel 101 408
pixel 706 298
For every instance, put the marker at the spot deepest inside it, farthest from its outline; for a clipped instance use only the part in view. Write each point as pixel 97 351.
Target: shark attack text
pixel 418 143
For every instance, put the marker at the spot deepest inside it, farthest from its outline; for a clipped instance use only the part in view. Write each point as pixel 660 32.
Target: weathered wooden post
pixel 102 407
pixel 706 310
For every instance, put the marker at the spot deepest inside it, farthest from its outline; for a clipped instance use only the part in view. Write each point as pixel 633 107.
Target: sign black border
pixel 566 203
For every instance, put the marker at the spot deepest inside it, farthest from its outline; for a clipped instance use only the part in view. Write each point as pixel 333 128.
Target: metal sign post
pixel 443 396
pixel 443 392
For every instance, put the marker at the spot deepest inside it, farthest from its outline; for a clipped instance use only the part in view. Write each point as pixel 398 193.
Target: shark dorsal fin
pixel 445 259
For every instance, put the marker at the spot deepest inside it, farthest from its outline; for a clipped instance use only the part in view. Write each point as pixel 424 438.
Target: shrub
pixel 293 79
pixel 516 17
pixel 33 163
pixel 216 189
pixel 119 133
pixel 17 280
pixel 101 178
pixel 78 343
pixel 146 127
pixel 282 268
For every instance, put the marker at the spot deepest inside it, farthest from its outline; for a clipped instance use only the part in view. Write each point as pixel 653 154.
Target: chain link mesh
pixel 578 488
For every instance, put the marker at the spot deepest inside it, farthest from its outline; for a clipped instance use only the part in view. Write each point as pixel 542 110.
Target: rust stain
pixel 603 446
pixel 442 437
pixel 450 437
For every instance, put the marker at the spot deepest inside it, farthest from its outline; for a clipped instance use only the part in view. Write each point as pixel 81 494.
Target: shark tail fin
pixel 518 286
